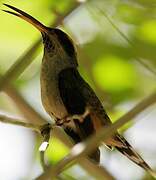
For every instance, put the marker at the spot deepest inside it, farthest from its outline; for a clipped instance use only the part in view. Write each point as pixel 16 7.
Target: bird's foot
pixel 60 122
pixel 70 118
pixel 79 117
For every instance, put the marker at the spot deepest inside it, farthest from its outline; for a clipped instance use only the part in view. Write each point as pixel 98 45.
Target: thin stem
pixel 19 122
pixel 42 160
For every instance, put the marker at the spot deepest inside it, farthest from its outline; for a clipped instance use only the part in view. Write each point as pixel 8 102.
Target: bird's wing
pixel 98 115
pixel 75 103
pixel 77 95
pixel 100 118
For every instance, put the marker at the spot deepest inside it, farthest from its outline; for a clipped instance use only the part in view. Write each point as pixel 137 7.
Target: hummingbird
pixel 68 98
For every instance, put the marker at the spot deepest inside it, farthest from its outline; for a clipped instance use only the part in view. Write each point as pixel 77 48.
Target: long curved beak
pixel 26 17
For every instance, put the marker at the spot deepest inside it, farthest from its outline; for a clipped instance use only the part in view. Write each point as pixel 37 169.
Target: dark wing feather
pixel 69 87
pixel 70 83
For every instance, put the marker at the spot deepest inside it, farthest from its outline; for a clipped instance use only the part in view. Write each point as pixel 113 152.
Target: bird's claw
pixel 79 117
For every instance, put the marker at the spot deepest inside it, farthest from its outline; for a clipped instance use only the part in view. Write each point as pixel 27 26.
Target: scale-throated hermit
pixel 65 93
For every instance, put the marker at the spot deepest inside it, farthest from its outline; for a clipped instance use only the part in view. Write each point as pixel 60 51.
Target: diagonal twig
pixel 26 110
pixel 19 122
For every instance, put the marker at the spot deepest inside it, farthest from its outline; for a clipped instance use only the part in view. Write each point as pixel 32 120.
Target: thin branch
pixel 26 110
pixel 85 148
pixel 24 61
pixel 98 171
pixel 42 160
pixel 19 122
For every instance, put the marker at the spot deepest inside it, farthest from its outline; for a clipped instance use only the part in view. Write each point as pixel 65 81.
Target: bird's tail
pixel 131 154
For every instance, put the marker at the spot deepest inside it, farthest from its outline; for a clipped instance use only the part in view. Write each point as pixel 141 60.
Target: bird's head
pixel 54 39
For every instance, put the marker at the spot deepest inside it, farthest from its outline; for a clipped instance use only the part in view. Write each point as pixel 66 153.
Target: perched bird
pixel 67 97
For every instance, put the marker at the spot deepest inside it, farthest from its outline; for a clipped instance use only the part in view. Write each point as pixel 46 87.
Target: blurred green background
pixel 116 44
